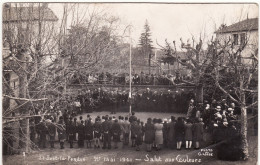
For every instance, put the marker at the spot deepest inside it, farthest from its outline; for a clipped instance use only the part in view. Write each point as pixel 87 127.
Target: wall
pixel 250 48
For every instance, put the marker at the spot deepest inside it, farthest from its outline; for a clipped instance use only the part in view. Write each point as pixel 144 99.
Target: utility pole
pixel 130 72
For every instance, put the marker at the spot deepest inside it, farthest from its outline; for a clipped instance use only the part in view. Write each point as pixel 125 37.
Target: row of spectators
pixel 114 101
pixel 155 133
pixel 124 78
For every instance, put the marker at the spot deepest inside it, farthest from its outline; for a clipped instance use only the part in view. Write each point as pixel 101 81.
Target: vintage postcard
pixel 129 83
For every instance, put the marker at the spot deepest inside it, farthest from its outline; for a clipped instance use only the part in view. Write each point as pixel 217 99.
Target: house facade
pixel 239 34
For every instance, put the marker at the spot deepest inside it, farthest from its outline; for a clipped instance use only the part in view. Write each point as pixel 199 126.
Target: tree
pixel 145 43
pixel 196 59
pixel 27 31
pixel 36 50
pixel 240 66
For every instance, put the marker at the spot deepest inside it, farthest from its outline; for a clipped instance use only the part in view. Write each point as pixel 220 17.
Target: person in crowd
pixel 230 114
pixel 158 133
pixel 66 116
pixel 43 132
pixel 207 116
pixel 75 125
pixel 179 132
pixel 52 132
pixel 81 119
pixel 134 131
pixel 97 132
pixel 88 133
pixel 142 127
pixel 106 132
pixel 165 133
pixel 154 144
pixel 116 132
pixel 81 134
pixel 217 114
pixel 198 132
pixel 61 129
pixel 132 118
pixel 188 133
pixel 149 131
pixel 198 113
pixel 32 133
pixel 88 117
pixel 138 133
pixel 126 131
pixel 171 133
pixel 190 109
pixel 71 129
pixel 224 104
pixel 121 123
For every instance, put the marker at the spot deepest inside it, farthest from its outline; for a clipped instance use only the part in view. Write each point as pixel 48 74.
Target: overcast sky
pixel 173 21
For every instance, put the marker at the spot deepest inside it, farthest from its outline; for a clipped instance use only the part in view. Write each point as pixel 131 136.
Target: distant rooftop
pixel 245 25
pixel 14 14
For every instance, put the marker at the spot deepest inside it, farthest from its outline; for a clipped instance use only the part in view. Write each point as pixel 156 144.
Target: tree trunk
pixel 243 132
pixel 23 110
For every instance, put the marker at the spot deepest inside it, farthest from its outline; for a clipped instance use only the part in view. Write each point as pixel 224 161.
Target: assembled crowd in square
pixel 155 133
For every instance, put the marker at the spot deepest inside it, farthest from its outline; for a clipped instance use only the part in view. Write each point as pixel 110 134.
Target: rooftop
pixel 245 25
pixel 14 14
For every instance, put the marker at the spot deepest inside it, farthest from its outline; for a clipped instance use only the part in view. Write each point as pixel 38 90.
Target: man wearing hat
pixel 71 131
pixel 52 133
pixel 61 129
pixel 106 126
pixel 230 114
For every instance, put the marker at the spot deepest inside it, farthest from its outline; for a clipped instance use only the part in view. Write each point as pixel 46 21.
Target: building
pixel 241 33
pixel 24 29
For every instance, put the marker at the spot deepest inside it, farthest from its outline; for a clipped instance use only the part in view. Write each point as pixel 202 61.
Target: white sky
pixel 173 21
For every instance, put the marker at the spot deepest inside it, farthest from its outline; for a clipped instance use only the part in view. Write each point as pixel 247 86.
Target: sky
pixel 173 21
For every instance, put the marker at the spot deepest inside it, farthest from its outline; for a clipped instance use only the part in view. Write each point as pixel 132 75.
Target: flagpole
pixel 130 72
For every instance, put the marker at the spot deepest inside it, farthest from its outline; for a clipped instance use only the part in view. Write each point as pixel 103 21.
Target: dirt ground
pixel 125 154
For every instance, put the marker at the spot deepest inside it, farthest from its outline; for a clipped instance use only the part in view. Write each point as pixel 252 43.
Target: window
pixel 235 37
pixel 242 38
pixel 14 84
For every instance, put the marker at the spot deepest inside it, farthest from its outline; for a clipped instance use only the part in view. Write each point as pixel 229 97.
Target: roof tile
pixel 14 14
pixel 245 25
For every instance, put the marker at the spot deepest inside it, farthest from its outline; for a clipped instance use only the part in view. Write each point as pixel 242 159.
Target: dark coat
pixel 179 130
pixel 116 131
pixel 81 132
pixel 149 133
pixel 71 129
pixel 89 131
pixel 198 131
pixel 106 127
pixel 171 131
pixel 52 129
pixel 97 129
pixel 61 129
pixel 188 131
pixel 136 131
pixel 43 129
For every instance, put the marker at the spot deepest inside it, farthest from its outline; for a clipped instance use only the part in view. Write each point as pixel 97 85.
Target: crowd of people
pixel 108 131
pixel 217 118
pixel 147 100
pixel 220 117
pixel 124 78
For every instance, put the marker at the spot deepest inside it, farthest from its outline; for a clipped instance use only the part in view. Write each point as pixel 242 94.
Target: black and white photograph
pixel 129 83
